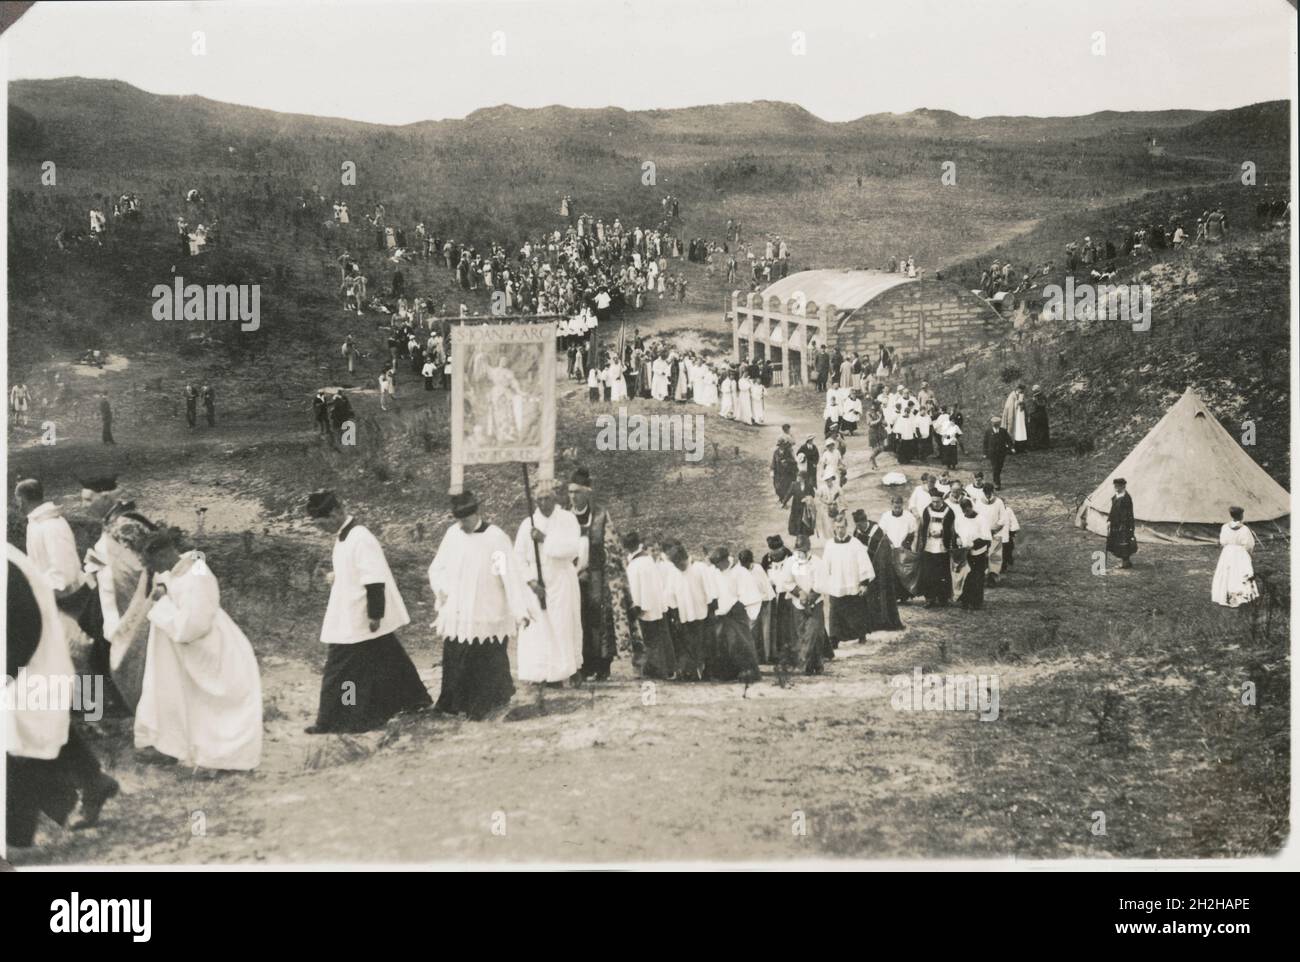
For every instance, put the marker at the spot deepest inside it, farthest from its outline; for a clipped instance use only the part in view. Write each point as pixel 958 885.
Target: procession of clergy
pixel 567 589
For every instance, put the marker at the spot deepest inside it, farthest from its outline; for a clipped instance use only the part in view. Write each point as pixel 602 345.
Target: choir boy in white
pixel 649 605
pixel 899 524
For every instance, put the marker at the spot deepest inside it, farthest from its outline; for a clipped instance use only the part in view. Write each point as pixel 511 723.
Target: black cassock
pixel 811 647
pixel 803 519
pixel 1038 429
pixel 730 655
pixel 884 589
pixel 784 471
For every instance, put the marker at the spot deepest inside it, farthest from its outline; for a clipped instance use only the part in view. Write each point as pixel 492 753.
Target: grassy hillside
pixel 1220 323
pixel 498 175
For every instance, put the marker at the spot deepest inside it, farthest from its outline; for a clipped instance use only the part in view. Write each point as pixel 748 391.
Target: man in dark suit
pixel 997 445
pixel 106 419
pixel 599 624
pixel 1121 528
pixel 823 369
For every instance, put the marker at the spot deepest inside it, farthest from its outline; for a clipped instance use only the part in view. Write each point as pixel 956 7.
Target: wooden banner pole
pixel 537 550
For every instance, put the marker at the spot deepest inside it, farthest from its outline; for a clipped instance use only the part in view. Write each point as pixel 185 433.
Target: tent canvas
pixel 1183 476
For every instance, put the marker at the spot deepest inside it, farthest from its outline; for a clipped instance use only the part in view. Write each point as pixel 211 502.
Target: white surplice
pixel 477 587
pixel 201 700
pixel 359 561
pixel 38 729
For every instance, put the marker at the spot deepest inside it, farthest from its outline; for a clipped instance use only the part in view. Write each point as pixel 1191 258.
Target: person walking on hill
pixel 106 420
pixel 191 406
pixel 386 389
pixel 201 695
pixel 19 400
pixel 350 352
pixel 209 404
pixel 320 406
pixel 1121 527
pixel 997 444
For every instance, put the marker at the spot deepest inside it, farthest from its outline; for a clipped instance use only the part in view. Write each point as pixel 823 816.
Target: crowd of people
pixel 896 265
pixel 567 588
pixel 559 273
pixel 809 477
pixel 655 370
pixel 1100 257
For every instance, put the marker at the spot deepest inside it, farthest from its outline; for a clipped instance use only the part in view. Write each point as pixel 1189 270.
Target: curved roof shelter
pixel 858 310
pixel 848 290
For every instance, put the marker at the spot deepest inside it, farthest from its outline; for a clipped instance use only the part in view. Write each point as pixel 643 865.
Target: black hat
pixel 774 542
pixel 99 485
pixel 859 515
pixel 163 537
pixel 464 504
pixel 581 477
pixel 322 504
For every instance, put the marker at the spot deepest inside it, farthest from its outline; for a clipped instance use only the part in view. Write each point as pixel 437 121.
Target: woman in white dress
pixel 1234 578
pixel 708 393
pixel 744 411
pixel 726 406
pixel 659 379
pixel 828 505
pixel 616 381
pixel 681 387
pixel 759 411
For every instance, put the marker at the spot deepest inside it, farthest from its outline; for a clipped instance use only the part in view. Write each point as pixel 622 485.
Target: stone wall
pixel 925 319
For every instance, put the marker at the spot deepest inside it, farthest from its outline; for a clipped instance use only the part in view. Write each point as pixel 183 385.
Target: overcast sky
pixel 398 62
